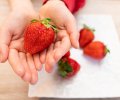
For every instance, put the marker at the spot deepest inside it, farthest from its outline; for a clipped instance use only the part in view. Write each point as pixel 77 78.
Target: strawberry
pixel 86 36
pixel 68 67
pixel 67 55
pixel 96 50
pixel 38 35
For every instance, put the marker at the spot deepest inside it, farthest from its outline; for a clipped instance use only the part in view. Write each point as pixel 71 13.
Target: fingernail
pixel 39 68
pixel 49 69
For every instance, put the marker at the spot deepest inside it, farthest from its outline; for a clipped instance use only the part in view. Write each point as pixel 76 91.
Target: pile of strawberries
pixel 39 35
pixel 94 49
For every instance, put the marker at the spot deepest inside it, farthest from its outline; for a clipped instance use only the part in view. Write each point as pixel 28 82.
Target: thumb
pixel 4 43
pixel 73 32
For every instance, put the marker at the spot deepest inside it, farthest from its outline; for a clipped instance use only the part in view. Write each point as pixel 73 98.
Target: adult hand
pixel 11 35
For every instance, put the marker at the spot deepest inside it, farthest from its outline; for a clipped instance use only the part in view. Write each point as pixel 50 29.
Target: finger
pixel 37 62
pixel 49 60
pixel 5 38
pixel 32 68
pixel 27 77
pixel 73 32
pixel 14 61
pixel 43 57
pixel 57 44
pixel 18 44
pixel 63 47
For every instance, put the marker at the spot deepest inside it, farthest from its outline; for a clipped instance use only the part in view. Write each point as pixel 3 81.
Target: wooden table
pixel 11 86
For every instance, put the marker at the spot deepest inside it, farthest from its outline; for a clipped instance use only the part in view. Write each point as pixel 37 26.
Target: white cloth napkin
pixel 96 79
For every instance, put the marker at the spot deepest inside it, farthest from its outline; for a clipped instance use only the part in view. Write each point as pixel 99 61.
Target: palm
pixel 22 63
pixel 62 17
pixel 62 43
pixel 58 16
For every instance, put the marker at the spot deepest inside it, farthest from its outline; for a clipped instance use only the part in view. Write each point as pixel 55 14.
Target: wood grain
pixel 11 86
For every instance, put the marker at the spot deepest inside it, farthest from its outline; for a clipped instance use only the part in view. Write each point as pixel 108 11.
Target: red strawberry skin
pixel 86 37
pixel 67 55
pixel 68 67
pixel 37 37
pixel 96 50
pixel 75 67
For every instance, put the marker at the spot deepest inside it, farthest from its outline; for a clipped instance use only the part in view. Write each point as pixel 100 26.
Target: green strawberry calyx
pixel 64 68
pixel 34 20
pixel 47 22
pixel 107 50
pixel 87 27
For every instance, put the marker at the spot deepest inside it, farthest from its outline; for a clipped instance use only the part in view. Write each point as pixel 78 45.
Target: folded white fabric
pixel 96 79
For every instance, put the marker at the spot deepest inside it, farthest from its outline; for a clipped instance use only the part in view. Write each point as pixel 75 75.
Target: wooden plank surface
pixel 11 86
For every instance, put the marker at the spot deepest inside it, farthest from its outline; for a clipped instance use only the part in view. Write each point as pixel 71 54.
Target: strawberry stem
pixel 55 28
pixel 87 27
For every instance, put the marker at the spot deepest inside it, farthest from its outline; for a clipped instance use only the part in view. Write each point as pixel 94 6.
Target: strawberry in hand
pixel 86 36
pixel 66 37
pixel 39 35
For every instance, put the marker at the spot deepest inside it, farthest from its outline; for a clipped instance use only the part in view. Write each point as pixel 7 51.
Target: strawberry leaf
pixel 48 19
pixel 64 67
pixel 46 22
pixel 67 67
pixel 87 27
pixel 34 20
pixel 62 73
pixel 107 50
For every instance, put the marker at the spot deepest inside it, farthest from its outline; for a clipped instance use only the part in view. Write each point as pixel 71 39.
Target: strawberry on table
pixel 86 36
pixel 38 35
pixel 96 50
pixel 68 67
pixel 67 55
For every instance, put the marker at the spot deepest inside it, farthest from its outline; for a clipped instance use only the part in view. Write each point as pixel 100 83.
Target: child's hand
pixel 11 35
pixel 62 17
pixel 57 50
pixel 65 21
pixel 14 25
pixel 24 64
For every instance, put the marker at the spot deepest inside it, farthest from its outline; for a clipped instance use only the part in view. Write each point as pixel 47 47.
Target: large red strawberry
pixel 38 35
pixel 96 50
pixel 67 55
pixel 68 67
pixel 86 36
